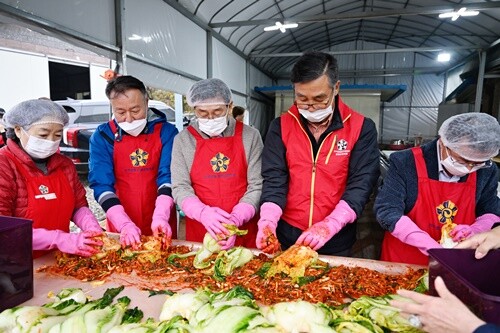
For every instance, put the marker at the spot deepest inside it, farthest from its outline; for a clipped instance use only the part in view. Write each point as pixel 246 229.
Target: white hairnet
pixel 474 136
pixel 208 92
pixel 35 111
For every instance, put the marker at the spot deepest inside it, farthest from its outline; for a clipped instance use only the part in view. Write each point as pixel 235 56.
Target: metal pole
pixel 480 79
pixel 121 58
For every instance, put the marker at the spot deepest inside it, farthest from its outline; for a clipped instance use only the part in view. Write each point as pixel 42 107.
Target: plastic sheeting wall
pixel 159 33
pixel 28 77
pixel 229 67
pixel 94 18
pixel 158 78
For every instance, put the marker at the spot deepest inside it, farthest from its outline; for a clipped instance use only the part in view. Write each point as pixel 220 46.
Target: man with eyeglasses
pixel 216 164
pixel 450 180
pixel 320 163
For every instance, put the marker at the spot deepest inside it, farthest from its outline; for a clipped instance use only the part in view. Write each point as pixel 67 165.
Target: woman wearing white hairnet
pixel 216 165
pixel 450 180
pixel 42 185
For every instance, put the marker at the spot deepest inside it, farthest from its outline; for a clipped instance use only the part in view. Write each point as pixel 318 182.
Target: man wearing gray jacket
pixel 216 165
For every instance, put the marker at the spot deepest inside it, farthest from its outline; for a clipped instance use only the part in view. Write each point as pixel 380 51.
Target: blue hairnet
pixel 208 92
pixel 474 136
pixel 35 111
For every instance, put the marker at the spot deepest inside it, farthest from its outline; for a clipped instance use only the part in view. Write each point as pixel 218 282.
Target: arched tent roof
pixel 375 26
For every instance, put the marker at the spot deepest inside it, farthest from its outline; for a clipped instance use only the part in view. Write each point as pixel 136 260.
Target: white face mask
pixel 317 115
pixel 213 127
pixel 135 127
pixel 455 168
pixel 40 148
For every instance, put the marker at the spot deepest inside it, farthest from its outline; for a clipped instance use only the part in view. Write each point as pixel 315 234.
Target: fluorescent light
pixel 281 27
pixel 146 39
pixel 135 37
pixel 443 57
pixel 461 12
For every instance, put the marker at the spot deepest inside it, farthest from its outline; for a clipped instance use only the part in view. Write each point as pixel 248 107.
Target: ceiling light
pixel 281 27
pixel 443 57
pixel 135 37
pixel 461 12
pixel 146 39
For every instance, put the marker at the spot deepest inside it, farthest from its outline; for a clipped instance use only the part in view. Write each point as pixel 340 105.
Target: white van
pixel 91 111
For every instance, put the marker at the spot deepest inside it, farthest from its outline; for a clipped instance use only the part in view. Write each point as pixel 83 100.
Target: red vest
pixel 136 160
pixel 436 202
pixel 219 179
pixel 51 200
pixel 316 186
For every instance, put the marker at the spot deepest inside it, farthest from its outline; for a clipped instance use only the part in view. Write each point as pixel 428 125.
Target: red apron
pixel 219 178
pixel 136 160
pixel 436 203
pixel 51 200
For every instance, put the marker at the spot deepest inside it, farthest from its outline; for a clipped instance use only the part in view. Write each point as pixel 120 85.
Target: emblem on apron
pixel 139 157
pixel 220 162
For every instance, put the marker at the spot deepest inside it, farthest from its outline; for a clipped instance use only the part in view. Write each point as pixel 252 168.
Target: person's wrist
pixel 473 324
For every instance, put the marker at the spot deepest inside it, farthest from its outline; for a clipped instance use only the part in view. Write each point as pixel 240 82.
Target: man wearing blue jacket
pixel 129 165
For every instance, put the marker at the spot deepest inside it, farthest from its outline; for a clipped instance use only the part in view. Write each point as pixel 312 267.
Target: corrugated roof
pixel 413 26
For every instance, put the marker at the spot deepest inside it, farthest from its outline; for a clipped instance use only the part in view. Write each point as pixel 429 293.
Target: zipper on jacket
pixel 314 162
pixel 313 176
pixel 331 149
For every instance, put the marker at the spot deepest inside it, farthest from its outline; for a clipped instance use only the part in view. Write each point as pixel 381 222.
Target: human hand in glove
pixel 211 217
pixel 85 220
pixel 461 232
pixel 266 240
pixel 130 234
pixel 161 216
pixel 241 214
pixel 320 233
pixel 83 244
pixel 481 224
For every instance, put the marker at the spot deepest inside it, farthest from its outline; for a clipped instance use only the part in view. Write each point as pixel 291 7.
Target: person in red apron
pixel 320 163
pixel 449 180
pixel 44 186
pixel 129 166
pixel 216 168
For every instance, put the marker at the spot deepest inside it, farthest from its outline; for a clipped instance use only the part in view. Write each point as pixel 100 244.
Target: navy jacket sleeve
pixel 274 167
pixel 487 328
pixel 487 201
pixel 396 196
pixel 364 168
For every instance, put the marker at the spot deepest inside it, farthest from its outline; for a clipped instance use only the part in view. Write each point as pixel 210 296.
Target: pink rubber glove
pixel 130 234
pixel 266 240
pixel 85 220
pixel 320 233
pixel 481 224
pixel 408 232
pixel 227 243
pixel 161 215
pixel 211 217
pixel 241 214
pixel 82 244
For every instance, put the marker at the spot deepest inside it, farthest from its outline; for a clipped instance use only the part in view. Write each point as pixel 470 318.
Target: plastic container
pixel 475 282
pixel 16 261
